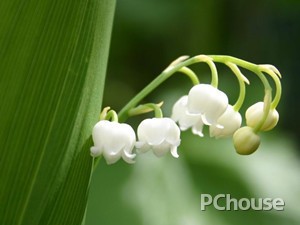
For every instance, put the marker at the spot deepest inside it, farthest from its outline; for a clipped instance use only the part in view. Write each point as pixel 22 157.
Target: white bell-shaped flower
pixel 159 135
pixel 207 101
pixel 255 113
pixel 186 120
pixel 230 120
pixel 113 140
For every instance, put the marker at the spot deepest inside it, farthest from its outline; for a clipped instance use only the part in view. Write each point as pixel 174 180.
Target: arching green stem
pixel 108 114
pixel 278 92
pixel 167 73
pixel 112 115
pixel 275 76
pixel 257 70
pixel 214 74
pixel 212 66
pixel 242 85
pixel 176 66
pixel 267 100
pixel 190 73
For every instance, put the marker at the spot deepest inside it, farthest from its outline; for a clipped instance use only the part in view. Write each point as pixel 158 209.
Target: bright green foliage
pixel 52 67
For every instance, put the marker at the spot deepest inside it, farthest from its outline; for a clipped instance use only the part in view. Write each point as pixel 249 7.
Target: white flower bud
pixel 186 120
pixel 231 120
pixel 113 140
pixel 160 135
pixel 208 101
pixel 245 141
pixel 255 113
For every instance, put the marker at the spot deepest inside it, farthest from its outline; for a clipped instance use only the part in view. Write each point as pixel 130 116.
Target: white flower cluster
pixel 114 140
pixel 206 105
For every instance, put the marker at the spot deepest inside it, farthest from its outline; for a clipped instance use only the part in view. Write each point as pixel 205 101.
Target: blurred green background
pixel 147 36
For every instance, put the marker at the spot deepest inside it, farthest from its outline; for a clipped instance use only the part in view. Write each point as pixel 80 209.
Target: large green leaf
pixel 52 67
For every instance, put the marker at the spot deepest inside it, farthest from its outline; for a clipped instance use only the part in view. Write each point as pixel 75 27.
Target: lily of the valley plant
pixel 203 105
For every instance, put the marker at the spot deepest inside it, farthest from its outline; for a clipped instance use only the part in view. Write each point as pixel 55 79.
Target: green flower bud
pixel 245 141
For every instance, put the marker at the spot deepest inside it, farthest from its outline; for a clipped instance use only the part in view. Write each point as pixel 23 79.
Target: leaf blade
pixel 59 79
